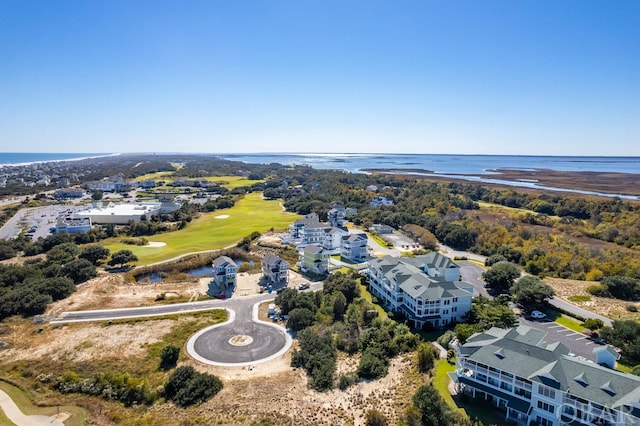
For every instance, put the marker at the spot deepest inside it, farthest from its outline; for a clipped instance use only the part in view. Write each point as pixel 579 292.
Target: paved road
pixel 213 345
pixel 472 273
pixel 243 340
pixel 14 414
pixel 554 301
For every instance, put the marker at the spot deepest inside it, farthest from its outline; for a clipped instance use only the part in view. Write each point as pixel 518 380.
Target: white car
pixel 303 286
pixel 538 315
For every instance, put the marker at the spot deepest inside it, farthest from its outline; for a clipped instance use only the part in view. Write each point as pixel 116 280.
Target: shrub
pixel 598 291
pixel 346 380
pixel 593 323
pixel 375 418
pixel 169 357
pixel 187 387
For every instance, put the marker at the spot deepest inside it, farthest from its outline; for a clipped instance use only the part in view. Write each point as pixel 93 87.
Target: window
pixel 454 309
pixel 544 422
pixel 546 407
pixel 545 391
pixel 455 299
pixel 523 392
pixel 493 382
pixel 506 386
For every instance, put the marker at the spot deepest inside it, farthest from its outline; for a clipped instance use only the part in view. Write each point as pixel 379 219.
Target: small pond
pixel 203 271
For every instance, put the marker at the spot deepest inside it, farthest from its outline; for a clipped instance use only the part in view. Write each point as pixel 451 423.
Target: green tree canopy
pixel 531 292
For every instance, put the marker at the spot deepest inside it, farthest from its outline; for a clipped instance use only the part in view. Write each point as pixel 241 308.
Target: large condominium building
pixel 546 386
pixel 426 289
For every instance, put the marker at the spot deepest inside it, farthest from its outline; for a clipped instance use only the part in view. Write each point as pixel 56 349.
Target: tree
pixel 625 335
pixel 433 409
pixel 169 357
pixel 7 252
pixel 531 293
pixel 464 331
pixel 339 306
pixel 122 258
pixel 501 276
pixel 343 283
pixel 79 270
pixel 57 287
pixel 96 195
pixel 493 259
pixel 487 313
pixel 373 363
pixel 299 319
pixel 621 287
pixel 426 357
pixel 63 253
pixel 95 254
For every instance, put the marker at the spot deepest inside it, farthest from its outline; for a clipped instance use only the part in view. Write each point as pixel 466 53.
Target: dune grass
pixel 26 405
pixel 212 231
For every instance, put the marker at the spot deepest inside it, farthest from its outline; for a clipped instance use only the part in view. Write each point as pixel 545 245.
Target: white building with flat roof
pixel 119 214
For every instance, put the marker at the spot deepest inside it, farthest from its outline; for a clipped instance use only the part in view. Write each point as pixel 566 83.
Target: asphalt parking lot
pixel 579 344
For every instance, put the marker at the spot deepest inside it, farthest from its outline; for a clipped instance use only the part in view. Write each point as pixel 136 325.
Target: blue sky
pixel 474 77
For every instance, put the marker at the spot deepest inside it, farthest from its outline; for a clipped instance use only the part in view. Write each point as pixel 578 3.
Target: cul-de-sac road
pixel 241 340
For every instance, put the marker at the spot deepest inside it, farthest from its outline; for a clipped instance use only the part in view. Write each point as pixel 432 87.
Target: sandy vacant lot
pixel 612 308
pixel 271 390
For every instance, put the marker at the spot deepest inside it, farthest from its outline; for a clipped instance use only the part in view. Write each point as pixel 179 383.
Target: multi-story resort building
pixel 545 386
pixel 426 289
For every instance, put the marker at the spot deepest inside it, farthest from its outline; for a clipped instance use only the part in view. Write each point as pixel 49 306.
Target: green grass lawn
pixel 478 410
pixel 364 293
pixel 231 182
pixel 570 323
pixel 441 381
pixel 251 213
pixel 579 298
pixel 24 402
pixel 165 176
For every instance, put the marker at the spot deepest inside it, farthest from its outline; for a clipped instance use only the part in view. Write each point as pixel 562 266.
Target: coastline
pixel 28 163
pixel 601 184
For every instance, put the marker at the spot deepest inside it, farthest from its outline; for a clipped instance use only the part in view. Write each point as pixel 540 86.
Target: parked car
pixel 538 315
pixel 304 286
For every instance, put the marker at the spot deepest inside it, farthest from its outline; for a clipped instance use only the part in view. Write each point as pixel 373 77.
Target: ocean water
pixel 20 158
pixel 444 164
pixel 476 168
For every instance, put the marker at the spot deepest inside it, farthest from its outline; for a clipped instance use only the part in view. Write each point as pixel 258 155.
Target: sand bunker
pixel 222 216
pixel 156 244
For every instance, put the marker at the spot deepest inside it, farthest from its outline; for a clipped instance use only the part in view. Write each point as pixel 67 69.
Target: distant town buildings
pixel 378 202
